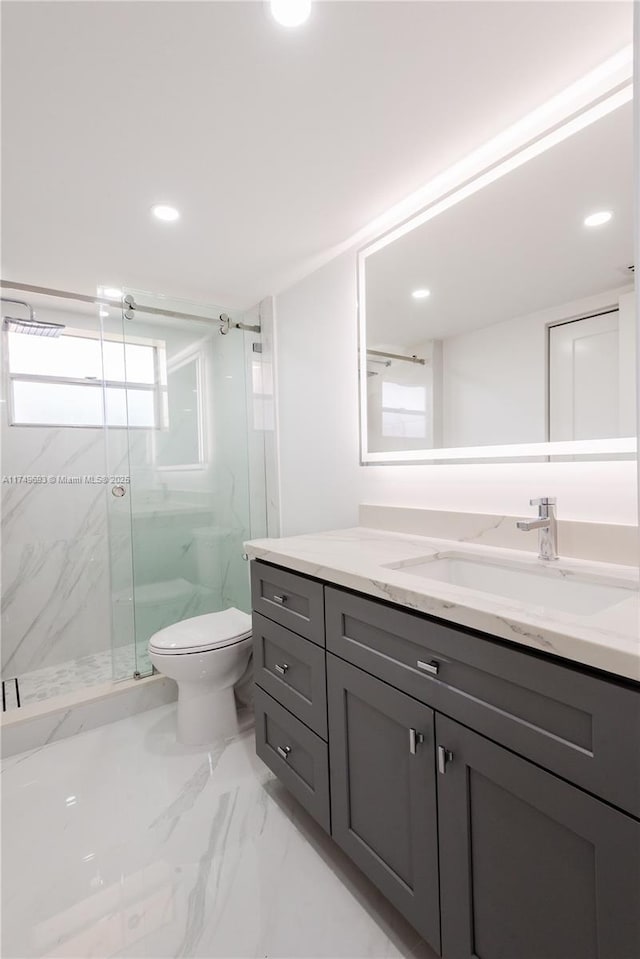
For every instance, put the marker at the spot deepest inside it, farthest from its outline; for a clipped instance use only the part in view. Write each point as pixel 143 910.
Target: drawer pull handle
pixel 415 738
pixel 281 668
pixel 431 667
pixel 444 757
pixel 284 752
pixel 280 599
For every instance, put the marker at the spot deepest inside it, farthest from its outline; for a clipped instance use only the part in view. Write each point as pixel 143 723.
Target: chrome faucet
pixel 547 524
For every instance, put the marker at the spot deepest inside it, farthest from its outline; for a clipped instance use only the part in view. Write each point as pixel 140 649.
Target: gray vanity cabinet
pixel 383 790
pixel 560 717
pixel 530 866
pixel 492 795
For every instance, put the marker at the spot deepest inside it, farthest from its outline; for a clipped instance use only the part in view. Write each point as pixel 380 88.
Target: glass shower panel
pixel 188 494
pixel 117 493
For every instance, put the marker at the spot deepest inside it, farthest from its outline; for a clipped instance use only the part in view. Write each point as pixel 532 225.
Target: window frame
pixel 196 357
pixel 157 387
pixel 410 413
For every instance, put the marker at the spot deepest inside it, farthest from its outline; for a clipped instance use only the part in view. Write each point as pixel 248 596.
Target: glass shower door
pixel 118 493
pixel 184 511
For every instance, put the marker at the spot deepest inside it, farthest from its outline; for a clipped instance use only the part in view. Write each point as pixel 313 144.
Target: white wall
pixel 494 378
pixel 317 375
pixel 321 480
pixel 592 492
pixel 494 385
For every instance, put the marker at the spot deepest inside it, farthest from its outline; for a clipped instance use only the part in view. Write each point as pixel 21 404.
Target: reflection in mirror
pixel 180 446
pixel 509 317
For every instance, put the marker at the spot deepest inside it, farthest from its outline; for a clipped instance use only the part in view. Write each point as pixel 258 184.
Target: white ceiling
pixel 275 144
pixel 516 247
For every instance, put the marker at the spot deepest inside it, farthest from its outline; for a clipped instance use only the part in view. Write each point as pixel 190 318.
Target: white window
pixel 78 380
pixel 404 410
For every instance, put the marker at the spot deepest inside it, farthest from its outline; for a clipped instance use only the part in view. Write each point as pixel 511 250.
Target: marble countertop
pixel 357 559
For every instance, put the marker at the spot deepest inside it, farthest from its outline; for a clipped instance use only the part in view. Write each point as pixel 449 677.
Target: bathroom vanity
pixel 490 787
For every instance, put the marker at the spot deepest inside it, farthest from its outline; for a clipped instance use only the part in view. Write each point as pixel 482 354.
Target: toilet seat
pixel 201 634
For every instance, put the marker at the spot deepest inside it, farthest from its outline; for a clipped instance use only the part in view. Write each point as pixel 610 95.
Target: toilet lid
pixel 202 633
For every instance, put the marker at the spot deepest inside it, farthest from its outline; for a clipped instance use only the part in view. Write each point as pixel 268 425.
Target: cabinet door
pixel 530 866
pixel 296 755
pixel 383 794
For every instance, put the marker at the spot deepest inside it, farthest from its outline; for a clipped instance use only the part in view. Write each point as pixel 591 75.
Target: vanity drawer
pixel 580 726
pixel 293 601
pixel 292 670
pixel 298 757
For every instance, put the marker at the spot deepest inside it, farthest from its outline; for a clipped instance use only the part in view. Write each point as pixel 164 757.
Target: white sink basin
pixel 555 589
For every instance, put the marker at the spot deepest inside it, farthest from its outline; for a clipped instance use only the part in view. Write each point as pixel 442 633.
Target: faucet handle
pixel 543 501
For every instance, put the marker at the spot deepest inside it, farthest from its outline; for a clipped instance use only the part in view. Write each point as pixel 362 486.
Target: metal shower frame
pixel 128 305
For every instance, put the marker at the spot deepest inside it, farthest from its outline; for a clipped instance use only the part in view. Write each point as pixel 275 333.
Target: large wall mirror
pixel 504 326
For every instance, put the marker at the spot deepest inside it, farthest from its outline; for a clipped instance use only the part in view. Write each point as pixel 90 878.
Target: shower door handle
pixel 118 491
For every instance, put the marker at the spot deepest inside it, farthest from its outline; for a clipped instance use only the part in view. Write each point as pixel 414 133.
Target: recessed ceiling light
pixel 421 294
pixel 290 13
pixel 598 219
pixel 166 213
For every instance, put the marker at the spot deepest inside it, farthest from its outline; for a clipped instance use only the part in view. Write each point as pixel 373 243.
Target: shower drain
pixel 10 694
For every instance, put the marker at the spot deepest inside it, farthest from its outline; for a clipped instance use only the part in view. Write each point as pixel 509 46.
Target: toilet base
pixel 205 714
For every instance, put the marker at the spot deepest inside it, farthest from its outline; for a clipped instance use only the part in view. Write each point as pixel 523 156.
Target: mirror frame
pixel 624 447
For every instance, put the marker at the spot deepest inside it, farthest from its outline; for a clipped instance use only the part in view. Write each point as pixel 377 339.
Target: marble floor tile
pixel 119 842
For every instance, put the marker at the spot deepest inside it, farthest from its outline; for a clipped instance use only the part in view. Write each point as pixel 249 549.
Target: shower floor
pixel 77 674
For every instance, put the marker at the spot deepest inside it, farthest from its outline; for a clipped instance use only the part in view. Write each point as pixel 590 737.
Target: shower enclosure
pixel 131 477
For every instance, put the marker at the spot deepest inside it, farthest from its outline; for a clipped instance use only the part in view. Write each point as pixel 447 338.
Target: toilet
pixel 206 655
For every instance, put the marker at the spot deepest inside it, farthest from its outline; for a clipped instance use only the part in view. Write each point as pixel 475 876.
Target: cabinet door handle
pixel 444 757
pixel 281 668
pixel 415 738
pixel 431 667
pixel 280 599
pixel 284 751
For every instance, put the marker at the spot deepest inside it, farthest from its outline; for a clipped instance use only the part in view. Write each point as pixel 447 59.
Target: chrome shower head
pixel 32 327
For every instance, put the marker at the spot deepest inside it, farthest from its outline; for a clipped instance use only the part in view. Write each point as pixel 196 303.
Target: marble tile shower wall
pixel 55 560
